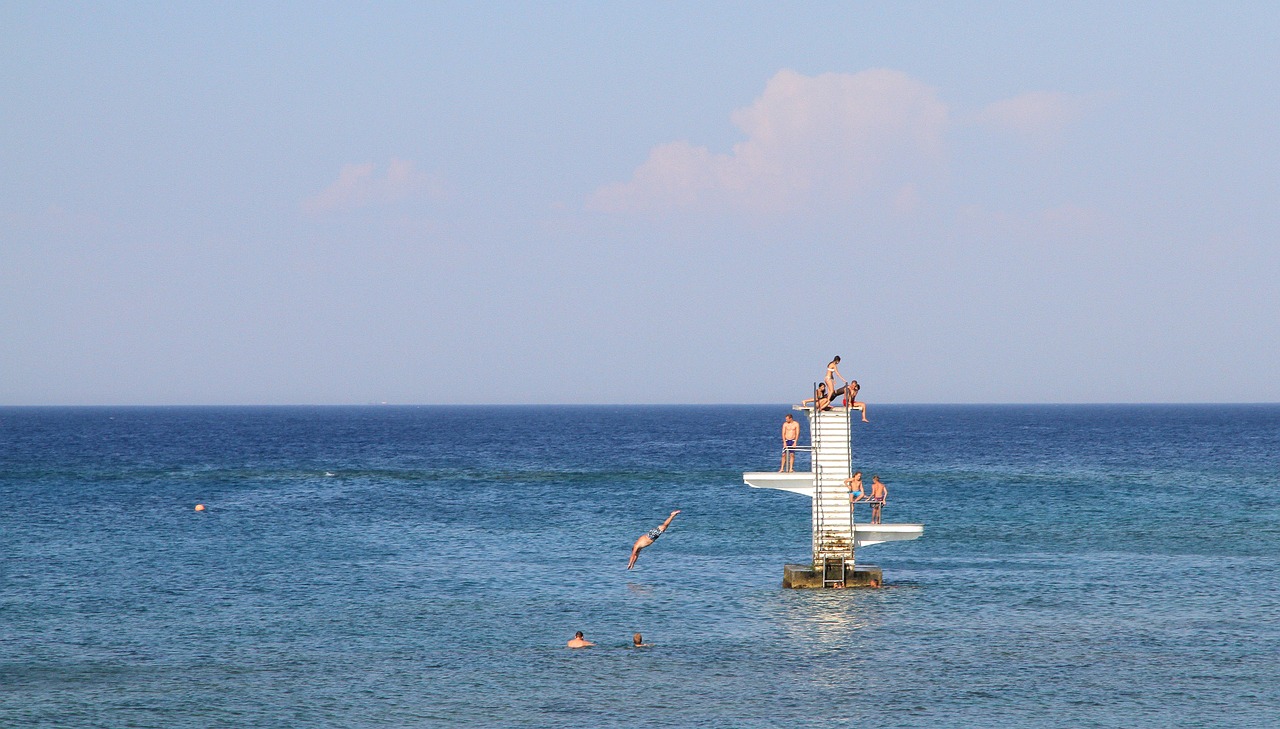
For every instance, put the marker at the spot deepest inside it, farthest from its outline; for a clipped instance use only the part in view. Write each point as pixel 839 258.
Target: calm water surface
pixel 1083 566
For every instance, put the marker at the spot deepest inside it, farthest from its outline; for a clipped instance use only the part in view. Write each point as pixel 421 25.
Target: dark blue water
pixel 1091 566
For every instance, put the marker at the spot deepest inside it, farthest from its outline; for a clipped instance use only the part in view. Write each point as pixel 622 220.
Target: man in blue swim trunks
pixel 649 538
pixel 790 434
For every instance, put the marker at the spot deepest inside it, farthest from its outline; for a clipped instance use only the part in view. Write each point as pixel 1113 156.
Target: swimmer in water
pixel 648 538
pixel 577 641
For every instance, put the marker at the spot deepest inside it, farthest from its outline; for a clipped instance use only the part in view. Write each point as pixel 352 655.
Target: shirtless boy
pixel 878 496
pixel 851 399
pixel 854 484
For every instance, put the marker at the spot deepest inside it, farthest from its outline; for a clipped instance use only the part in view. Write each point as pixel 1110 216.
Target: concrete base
pixel 807 576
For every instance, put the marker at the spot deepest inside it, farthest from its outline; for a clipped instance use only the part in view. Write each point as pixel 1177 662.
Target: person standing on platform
pixel 879 494
pixel 649 538
pixel 833 371
pixel 790 434
pixel 854 484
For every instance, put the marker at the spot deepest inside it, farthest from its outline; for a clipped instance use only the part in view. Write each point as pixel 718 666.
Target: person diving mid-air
pixel 649 537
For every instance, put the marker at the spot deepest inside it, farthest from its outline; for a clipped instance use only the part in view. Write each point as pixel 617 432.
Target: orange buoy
pixel 199 507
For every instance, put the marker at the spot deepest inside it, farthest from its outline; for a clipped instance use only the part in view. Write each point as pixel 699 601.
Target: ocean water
pixel 1082 566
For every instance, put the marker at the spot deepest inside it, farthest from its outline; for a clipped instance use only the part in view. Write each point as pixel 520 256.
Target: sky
pixel 601 202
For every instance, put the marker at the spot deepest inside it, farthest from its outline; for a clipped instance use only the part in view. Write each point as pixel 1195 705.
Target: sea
pixel 381 566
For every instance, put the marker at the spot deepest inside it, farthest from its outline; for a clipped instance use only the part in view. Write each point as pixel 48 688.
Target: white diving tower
pixel 836 534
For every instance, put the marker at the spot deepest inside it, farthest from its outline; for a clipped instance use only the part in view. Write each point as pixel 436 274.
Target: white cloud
pixel 1039 116
pixel 807 138
pixel 359 186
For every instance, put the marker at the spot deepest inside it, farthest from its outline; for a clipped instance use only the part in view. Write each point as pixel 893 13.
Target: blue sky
pixel 638 203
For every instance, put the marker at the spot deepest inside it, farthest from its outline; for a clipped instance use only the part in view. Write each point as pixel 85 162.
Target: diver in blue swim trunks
pixel 649 537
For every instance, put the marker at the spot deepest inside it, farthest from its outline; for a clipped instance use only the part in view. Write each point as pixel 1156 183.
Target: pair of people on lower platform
pixel 879 494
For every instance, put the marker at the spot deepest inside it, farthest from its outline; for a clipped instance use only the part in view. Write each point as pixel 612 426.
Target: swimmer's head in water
pixel 578 634
pixel 637 639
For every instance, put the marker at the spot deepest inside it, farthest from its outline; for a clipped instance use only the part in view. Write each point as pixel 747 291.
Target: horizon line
pixel 1206 403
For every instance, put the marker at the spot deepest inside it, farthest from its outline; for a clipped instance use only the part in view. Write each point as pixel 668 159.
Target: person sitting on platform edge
pixel 649 538
pixel 851 399
pixel 790 434
pixel 820 399
pixel 879 494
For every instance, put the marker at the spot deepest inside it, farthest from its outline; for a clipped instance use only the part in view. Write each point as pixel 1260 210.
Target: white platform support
pixel 832 518
pixel 835 533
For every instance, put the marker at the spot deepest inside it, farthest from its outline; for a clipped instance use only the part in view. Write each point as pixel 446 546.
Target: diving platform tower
pixel 836 533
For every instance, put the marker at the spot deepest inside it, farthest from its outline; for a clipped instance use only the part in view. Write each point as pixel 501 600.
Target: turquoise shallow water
pixel 1095 566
